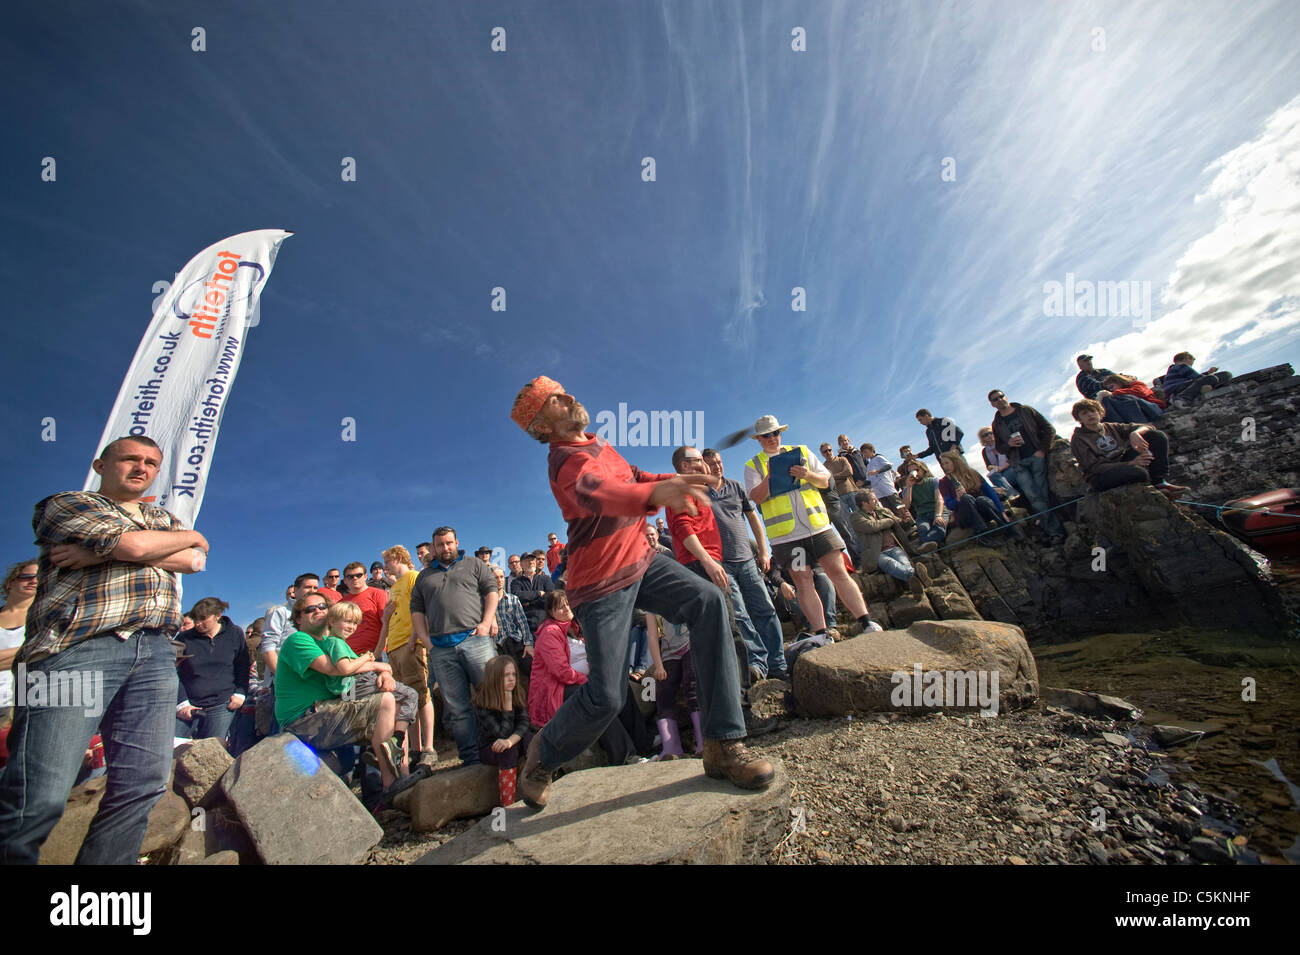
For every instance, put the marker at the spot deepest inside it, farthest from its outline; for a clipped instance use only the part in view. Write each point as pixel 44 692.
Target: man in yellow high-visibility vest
pixel 798 527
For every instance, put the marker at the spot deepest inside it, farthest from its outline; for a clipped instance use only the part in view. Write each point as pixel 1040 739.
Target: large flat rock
pixel 295 810
pixel 857 675
pixel 645 814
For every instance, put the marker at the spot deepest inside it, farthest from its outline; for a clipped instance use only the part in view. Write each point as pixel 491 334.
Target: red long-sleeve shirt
pixel 703 525
pixel 605 501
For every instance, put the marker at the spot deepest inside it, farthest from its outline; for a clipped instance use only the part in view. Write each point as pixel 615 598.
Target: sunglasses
pixel 25 577
pixel 354 576
pixel 770 434
pixel 315 608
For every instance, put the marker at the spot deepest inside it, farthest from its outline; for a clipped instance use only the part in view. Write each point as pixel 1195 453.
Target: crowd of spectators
pixel 349 661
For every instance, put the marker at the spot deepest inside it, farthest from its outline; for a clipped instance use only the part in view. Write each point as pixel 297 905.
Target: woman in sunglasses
pixel 19 592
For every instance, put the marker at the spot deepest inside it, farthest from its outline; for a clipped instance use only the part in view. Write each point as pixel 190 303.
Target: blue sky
pixel 1162 149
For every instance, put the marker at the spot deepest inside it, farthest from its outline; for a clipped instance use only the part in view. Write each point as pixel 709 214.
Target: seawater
pixel 1194 678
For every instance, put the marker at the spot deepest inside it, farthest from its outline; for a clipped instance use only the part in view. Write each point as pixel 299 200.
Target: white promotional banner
pixel 176 389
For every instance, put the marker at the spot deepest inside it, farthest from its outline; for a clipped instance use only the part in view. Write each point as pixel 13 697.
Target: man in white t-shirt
pixel 276 629
pixel 880 473
pixel 798 528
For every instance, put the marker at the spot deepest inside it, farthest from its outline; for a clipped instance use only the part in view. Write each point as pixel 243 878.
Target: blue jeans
pixel 926 532
pixel 46 744
pixel 844 528
pixel 1030 475
pixel 212 721
pixel 675 593
pixel 638 651
pixel 457 670
pixel 999 479
pixel 847 506
pixel 756 617
pixel 894 562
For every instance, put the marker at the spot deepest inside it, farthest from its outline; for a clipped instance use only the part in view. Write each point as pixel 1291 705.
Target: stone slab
pixel 295 810
pixel 856 676
pixel 646 814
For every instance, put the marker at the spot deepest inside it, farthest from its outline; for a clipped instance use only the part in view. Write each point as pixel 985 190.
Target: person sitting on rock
pixel 996 462
pixel 968 496
pixel 1184 384
pixel 1121 385
pixel 501 707
pixel 670 647
pixel 1111 454
pixel 880 532
pixel 342 620
pixel 1129 408
pixel 1089 379
pixel 311 680
pixel 922 497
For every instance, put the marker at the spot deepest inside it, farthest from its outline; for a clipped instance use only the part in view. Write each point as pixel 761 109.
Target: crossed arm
pixel 182 551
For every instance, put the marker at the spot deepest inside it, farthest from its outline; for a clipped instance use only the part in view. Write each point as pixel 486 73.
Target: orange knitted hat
pixel 530 399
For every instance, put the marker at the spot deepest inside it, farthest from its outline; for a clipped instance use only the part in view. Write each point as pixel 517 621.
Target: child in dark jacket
pixel 501 707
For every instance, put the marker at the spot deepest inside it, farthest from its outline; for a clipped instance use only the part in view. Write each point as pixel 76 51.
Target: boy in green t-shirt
pixel 311 677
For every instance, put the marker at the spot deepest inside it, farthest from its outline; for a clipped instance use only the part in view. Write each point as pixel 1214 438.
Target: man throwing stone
pixel 612 570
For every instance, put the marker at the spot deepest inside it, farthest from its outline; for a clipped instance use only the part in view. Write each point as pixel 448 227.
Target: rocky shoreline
pixel 1041 786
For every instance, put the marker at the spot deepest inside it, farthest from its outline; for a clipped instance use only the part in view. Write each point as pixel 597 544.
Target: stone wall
pixel 1213 450
pixel 1133 561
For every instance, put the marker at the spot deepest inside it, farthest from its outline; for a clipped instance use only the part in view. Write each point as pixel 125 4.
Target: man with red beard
pixel 611 570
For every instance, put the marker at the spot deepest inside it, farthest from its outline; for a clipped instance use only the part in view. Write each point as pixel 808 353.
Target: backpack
pixel 806 642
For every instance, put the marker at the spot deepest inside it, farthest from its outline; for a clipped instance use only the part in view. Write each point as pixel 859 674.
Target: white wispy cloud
pixel 1237 283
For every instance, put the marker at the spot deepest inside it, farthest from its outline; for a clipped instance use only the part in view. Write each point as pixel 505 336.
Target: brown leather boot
pixel 534 782
pixel 729 759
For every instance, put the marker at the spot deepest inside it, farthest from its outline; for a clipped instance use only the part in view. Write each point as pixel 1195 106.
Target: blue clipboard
pixel 778 469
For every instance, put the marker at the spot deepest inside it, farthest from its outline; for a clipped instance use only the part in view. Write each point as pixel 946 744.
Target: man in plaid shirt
pixel 514 637
pixel 106 608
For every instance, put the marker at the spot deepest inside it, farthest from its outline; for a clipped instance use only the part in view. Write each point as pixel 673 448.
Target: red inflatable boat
pixel 1268 522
